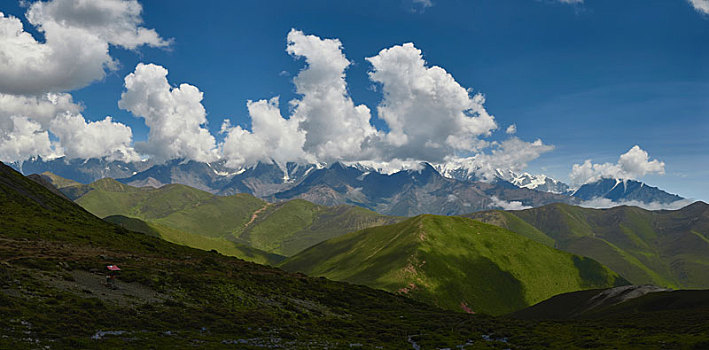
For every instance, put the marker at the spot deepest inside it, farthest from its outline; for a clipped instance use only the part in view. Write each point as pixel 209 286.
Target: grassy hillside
pixel 58 181
pixel 236 221
pixel 52 254
pixel 220 245
pixel 289 227
pixel 668 248
pixel 453 262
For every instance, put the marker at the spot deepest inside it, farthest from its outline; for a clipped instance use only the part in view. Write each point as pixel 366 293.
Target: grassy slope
pixel 58 181
pixel 199 299
pixel 289 227
pixel 221 245
pixel 451 262
pixel 666 248
pixel 284 228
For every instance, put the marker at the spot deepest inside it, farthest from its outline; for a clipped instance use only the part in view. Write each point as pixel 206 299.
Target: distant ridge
pixel 668 248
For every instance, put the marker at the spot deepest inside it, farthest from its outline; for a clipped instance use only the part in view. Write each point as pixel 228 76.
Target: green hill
pixel 453 262
pixel 58 181
pixel 669 248
pixel 289 227
pixel 237 221
pixel 220 245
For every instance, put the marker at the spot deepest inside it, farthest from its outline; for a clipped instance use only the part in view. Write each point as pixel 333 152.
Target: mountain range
pixel 427 189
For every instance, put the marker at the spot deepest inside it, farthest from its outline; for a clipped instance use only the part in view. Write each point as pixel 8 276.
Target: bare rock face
pixel 617 295
pixel 587 303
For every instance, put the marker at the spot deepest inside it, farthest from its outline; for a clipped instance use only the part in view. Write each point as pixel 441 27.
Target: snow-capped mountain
pixel 461 169
pixel 533 182
pixel 623 190
pixel 469 171
pixel 451 188
pixel 265 179
pixel 82 170
pixel 411 192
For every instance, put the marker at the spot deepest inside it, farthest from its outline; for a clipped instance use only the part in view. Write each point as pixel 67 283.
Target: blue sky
pixel 592 79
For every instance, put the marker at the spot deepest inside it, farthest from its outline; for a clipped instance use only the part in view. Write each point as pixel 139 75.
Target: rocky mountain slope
pixel 622 301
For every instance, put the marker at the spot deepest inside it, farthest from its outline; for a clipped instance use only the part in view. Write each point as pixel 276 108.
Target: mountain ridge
pixel 668 248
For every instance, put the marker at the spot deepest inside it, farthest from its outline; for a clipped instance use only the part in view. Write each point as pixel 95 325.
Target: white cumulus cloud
pixel 428 113
pixel 430 117
pixel 602 203
pixel 513 205
pixel 26 123
pixel 75 50
pixel 103 138
pixel 700 5
pixel 512 129
pixel 42 109
pixel 117 22
pixel 21 137
pixel 633 164
pixel 175 116
pixel 271 137
pixel 335 127
pixel 512 154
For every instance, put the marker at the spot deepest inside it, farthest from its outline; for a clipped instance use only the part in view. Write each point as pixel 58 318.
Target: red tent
pixel 113 268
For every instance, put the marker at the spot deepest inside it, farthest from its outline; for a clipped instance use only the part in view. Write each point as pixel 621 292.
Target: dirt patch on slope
pixel 94 284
